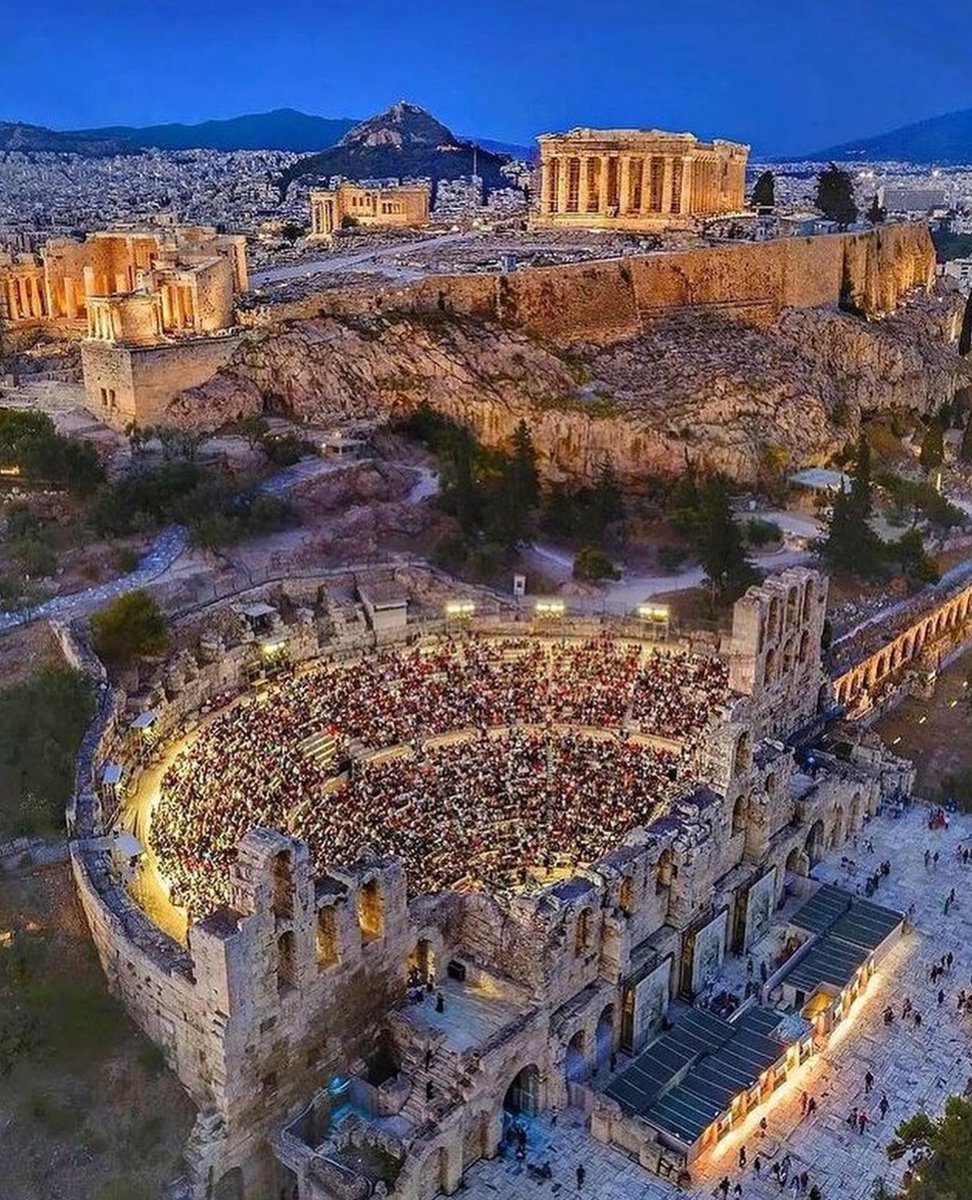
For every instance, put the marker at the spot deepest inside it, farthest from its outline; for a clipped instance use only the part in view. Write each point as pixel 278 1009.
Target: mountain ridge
pixel 945 139
pixel 404 141
pixel 287 129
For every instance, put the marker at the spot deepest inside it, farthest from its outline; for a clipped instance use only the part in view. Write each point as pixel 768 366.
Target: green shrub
pixel 671 558
pixel 593 564
pixel 130 627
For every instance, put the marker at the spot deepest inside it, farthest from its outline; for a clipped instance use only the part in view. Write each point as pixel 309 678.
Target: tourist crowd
pixel 478 811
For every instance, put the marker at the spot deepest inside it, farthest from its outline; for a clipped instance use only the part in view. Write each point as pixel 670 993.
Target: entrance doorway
pixel 523 1095
pixel 605 1035
pixel 421 964
pixel 575 1061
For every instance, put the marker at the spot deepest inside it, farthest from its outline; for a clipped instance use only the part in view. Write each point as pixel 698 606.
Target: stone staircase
pixel 425 1058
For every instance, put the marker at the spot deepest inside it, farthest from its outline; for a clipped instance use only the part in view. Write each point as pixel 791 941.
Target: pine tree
pixel 835 196
pixel 861 478
pixel 607 502
pixel 876 214
pixel 719 544
pixel 524 479
pixel 851 546
pixel 932 446
pixel 764 191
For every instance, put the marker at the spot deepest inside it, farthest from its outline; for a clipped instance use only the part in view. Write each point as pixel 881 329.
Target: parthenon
pixel 637 178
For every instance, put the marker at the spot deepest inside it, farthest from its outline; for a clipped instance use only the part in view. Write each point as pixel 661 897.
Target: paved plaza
pixel 915 1068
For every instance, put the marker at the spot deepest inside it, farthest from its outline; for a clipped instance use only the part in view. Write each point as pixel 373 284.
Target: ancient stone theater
pixel 416 875
pixel 637 179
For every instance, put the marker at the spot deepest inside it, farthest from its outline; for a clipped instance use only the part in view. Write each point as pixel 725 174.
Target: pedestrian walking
pixel 917 1020
pixel 811 1106
pixel 762 1127
pixel 742 1156
pixel 737 1190
pixel 757 1165
pixel 884 1106
pixel 581 1176
pixel 724 1186
pixel 803 1103
pixel 941 997
pixel 868 1082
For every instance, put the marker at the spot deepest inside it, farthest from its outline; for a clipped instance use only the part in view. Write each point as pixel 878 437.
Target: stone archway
pixel 814 844
pixel 797 862
pixel 523 1094
pixel 837 831
pixel 604 1035
pixel 230 1185
pixel 575 1059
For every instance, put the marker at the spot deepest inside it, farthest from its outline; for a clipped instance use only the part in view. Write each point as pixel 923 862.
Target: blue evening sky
pixel 785 75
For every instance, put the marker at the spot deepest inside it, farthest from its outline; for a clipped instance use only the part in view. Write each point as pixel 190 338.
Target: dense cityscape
pixel 485 625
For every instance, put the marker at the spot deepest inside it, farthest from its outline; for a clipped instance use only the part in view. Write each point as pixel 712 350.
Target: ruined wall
pixel 614 299
pixel 145 379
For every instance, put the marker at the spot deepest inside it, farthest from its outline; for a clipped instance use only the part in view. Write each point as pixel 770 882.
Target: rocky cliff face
pixel 695 386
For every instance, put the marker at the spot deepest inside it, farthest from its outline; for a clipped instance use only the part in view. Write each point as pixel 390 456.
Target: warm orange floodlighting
pixel 459 610
pixel 549 609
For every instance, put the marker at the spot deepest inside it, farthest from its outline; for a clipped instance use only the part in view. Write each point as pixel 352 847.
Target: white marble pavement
pixel 914 1068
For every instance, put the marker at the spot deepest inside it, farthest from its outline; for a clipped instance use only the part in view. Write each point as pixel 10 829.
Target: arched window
pixel 743 755
pixel 283 891
pixel 791 606
pixel 371 916
pixel 328 945
pixel 739 815
pixel 584 934
pixel 286 961
pixel 804 651
pixel 769 671
pixel 626 899
pixel 665 871
pixel 774 618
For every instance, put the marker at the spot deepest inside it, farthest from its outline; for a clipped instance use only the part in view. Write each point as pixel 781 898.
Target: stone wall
pixel 614 299
pixel 137 383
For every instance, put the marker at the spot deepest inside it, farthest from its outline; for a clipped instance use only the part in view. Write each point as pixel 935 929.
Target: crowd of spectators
pixel 479 811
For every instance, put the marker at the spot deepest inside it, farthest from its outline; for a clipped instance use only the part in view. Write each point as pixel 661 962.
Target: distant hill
pixel 510 149
pixel 281 129
pixel 36 139
pixel 946 139
pixel 405 140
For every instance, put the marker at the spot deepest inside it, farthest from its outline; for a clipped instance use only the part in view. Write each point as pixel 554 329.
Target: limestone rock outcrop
pixel 694 386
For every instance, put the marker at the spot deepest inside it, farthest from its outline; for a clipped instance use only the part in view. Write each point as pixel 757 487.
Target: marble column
pixel 688 167
pixel 583 185
pixel 562 173
pixel 667 177
pixel 624 185
pixel 602 194
pixel 36 304
pixel 546 186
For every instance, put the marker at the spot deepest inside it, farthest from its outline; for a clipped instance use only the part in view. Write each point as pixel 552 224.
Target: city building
pixel 960 269
pixel 637 179
pixel 350 204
